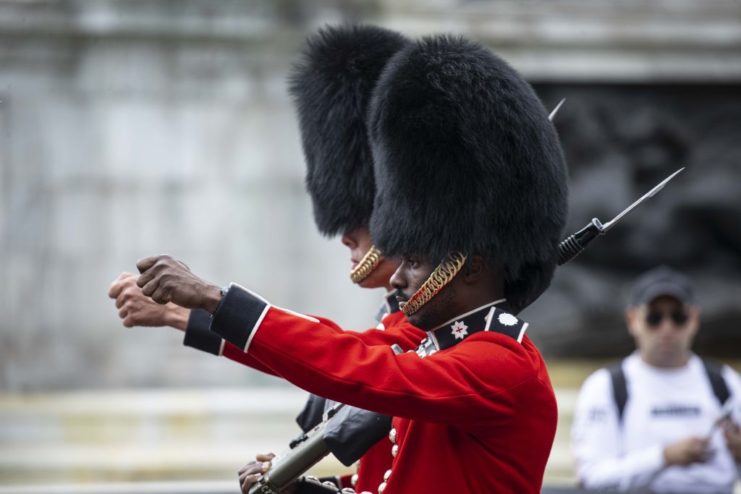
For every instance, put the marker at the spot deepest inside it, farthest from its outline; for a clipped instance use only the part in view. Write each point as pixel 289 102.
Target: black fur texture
pixel 332 84
pixel 467 160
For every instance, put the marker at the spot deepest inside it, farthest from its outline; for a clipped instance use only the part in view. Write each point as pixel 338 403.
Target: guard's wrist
pixel 213 297
pixel 177 317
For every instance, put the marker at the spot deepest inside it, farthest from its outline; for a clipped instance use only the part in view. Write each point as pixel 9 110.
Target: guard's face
pixel 664 330
pixel 359 242
pixel 408 278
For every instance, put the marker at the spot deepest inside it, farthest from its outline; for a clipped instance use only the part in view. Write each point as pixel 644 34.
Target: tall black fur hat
pixel 467 160
pixel 332 84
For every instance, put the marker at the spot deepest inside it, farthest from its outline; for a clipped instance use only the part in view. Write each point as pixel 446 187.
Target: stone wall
pixel 133 127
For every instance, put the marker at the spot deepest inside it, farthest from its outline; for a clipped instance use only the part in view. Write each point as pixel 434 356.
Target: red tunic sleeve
pixel 470 384
pixel 198 335
pixel 396 331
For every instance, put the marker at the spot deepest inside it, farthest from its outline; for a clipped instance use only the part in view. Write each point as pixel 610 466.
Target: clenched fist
pixel 136 309
pixel 165 279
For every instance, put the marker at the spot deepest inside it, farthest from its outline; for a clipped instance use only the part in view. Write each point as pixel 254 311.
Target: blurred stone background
pixel 136 127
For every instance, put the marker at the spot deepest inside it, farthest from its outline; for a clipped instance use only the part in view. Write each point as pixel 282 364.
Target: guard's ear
pixel 474 269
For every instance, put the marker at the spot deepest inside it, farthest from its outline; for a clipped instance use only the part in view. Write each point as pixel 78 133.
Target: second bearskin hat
pixel 467 160
pixel 332 84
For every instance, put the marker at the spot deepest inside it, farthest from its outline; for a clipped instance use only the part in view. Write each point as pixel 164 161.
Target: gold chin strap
pixel 367 264
pixel 441 276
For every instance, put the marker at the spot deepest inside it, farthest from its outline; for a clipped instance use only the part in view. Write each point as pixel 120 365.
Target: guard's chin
pixel 436 311
pixel 419 320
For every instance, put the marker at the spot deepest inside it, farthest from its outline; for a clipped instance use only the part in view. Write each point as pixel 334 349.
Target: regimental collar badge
pixel 459 330
pixel 485 318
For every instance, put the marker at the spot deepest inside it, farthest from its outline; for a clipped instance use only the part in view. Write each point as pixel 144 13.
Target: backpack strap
pixel 619 388
pixel 717 382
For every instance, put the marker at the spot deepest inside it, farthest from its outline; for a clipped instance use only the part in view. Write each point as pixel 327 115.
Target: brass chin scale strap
pixel 367 264
pixel 441 276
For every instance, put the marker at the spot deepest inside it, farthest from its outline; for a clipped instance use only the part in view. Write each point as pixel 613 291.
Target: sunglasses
pixel 679 317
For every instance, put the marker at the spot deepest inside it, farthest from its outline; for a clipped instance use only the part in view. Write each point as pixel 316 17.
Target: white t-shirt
pixel 663 406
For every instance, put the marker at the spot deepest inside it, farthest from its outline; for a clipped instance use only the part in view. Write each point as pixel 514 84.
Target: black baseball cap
pixel 662 281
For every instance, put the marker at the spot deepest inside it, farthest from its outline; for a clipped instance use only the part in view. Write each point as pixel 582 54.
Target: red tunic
pixel 478 417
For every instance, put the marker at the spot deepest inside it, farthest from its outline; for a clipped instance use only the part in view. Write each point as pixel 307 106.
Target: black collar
pixel 485 318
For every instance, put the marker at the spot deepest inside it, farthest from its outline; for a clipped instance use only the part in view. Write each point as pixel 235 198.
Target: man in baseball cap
pixel 663 419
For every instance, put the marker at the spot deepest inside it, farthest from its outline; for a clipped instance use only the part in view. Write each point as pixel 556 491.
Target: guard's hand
pixel 136 309
pixel 732 433
pixel 165 279
pixel 252 471
pixel 687 451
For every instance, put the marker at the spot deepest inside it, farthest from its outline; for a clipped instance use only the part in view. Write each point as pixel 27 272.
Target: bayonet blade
pixel 650 193
pixel 555 110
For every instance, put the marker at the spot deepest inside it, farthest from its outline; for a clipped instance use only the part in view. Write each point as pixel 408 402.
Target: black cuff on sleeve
pixel 352 431
pixel 312 414
pixel 238 316
pixel 199 336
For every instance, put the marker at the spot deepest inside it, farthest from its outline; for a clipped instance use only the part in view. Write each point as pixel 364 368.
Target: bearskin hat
pixel 467 160
pixel 332 84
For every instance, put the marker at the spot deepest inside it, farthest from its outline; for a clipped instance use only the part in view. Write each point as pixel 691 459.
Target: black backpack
pixel 620 387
